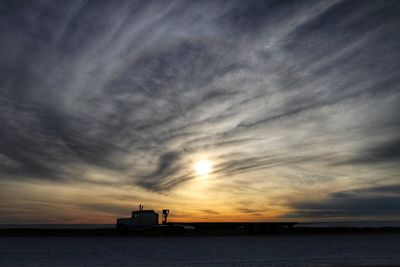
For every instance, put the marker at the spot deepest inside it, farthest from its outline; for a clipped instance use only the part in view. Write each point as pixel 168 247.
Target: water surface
pixel 320 250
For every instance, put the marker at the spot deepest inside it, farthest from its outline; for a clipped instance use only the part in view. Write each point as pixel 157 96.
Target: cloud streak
pixel 370 202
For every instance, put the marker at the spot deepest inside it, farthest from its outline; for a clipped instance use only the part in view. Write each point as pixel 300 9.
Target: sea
pixel 274 250
pixel 312 250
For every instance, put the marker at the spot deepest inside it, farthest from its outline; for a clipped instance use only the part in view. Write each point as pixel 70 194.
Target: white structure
pixel 140 219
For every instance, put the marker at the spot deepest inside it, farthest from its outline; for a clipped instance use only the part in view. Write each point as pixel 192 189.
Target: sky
pixel 105 105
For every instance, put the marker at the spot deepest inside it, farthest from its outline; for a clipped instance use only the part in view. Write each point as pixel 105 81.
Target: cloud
pixel 250 211
pixel 166 175
pixel 210 212
pixel 143 89
pixel 369 202
pixel 387 152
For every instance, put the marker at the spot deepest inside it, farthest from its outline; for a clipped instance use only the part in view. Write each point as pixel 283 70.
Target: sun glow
pixel 203 167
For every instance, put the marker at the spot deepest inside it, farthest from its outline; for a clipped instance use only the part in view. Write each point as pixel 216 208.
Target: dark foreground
pixel 272 250
pixel 201 230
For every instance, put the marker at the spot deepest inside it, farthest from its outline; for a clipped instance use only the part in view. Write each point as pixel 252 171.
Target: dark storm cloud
pixel 140 88
pixel 365 202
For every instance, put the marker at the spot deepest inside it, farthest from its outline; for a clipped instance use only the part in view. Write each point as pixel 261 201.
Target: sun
pixel 203 167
